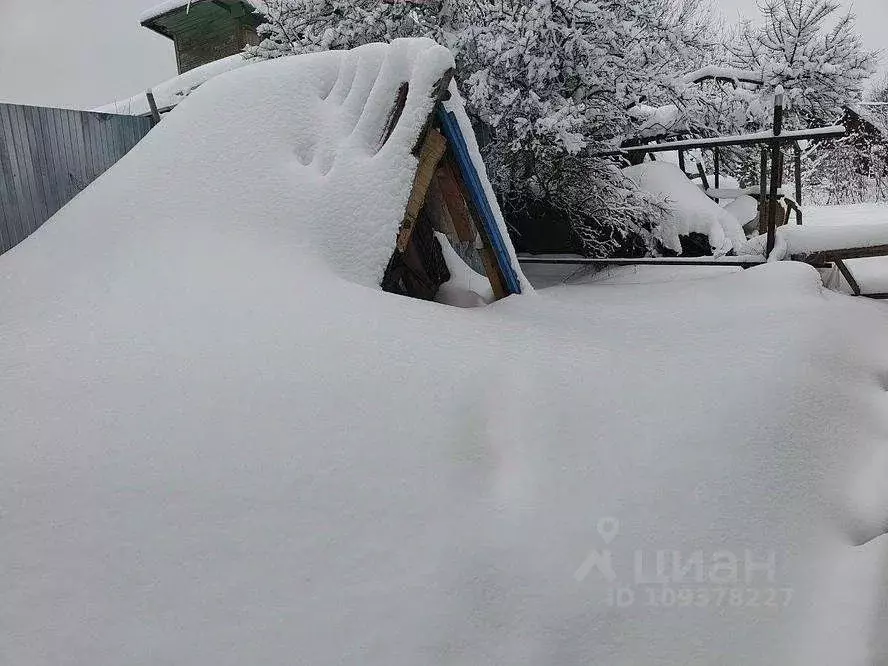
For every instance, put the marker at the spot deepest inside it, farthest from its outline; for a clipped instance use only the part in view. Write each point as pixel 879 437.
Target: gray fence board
pixel 18 222
pixel 47 156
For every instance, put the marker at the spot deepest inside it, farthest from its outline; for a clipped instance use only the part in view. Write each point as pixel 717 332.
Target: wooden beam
pixel 155 114
pixel 644 261
pixel 831 256
pixel 454 200
pixel 432 151
pixel 740 140
pixel 849 278
pixel 716 159
pixel 791 206
pixel 436 209
pixel 462 205
pixel 763 192
pixel 776 174
pixel 797 165
pixel 475 193
pixel 702 172
pixel 492 269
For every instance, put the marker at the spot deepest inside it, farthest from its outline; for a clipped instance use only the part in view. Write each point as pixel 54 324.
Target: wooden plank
pixel 492 270
pixel 702 173
pixel 432 151
pixel 436 210
pixel 475 194
pixel 152 104
pixel 36 211
pixel 763 192
pixel 38 163
pixel 71 175
pixel 109 150
pixel 849 278
pixel 797 165
pixel 740 140
pixel 716 159
pixel 63 149
pixel 7 206
pixel 455 201
pixel 55 200
pixel 20 197
pixel 81 160
pixel 72 165
pixel 90 146
pixel 97 139
pixel 831 256
pixel 8 202
pixel 644 261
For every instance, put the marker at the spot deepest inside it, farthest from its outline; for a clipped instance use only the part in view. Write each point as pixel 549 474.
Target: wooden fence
pixel 49 155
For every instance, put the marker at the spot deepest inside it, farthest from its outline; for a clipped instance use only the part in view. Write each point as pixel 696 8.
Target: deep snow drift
pixel 222 444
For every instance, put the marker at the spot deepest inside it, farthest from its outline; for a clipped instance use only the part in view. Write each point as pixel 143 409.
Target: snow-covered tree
pixel 812 51
pixel 550 82
pixel 304 26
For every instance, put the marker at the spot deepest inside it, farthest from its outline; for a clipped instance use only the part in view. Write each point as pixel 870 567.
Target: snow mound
pixel 801 241
pixel 656 121
pixel 222 444
pixel 169 93
pixel 466 287
pixel 309 152
pixel 744 209
pixel 690 209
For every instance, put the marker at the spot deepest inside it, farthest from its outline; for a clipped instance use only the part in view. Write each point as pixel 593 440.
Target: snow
pixel 871 273
pixel 657 120
pixel 691 210
pixel 744 209
pixel 801 241
pixel 169 93
pixel 223 444
pixel 466 287
pixel 171 5
pixel 728 73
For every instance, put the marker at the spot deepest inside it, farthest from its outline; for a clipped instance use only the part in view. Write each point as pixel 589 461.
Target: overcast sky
pixel 85 53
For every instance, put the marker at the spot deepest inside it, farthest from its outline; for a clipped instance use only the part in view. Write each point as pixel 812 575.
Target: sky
pixel 86 53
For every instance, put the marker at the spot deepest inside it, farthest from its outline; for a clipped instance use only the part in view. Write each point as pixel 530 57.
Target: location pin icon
pixel 608 528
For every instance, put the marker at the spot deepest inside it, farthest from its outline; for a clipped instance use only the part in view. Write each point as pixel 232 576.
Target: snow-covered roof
pixel 168 6
pixel 875 115
pixel 169 93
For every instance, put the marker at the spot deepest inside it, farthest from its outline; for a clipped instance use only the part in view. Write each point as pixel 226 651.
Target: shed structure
pixel 204 31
